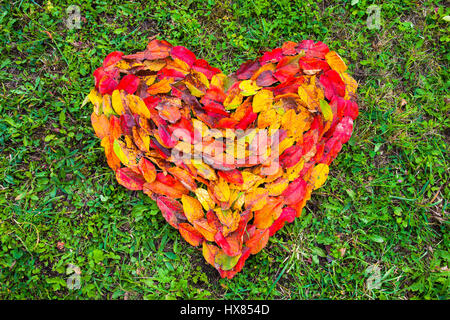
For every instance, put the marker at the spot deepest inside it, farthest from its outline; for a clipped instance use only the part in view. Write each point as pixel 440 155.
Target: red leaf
pixel 231 245
pixel 272 56
pixel 290 85
pixel 112 58
pixel 344 129
pixel 313 50
pixel 266 79
pixel 232 176
pixel 287 215
pixel 291 156
pixel 247 69
pixel 295 191
pixel 203 66
pixel 333 84
pixel 171 73
pixel 288 48
pixel 171 210
pixel 258 241
pixel 286 68
pixel 107 85
pixel 183 54
pixel 129 83
pixel 129 179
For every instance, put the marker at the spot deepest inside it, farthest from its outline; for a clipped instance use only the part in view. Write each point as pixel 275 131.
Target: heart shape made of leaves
pixel 228 159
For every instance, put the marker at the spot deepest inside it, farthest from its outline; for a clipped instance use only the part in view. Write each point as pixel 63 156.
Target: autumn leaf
pixel 190 234
pixel 258 240
pixel 256 199
pixel 117 102
pixel 262 101
pixel 162 86
pixel 335 61
pixel 147 169
pixel 192 208
pixel 205 199
pixel 229 159
pixel 171 210
pixel 208 231
pixel 319 175
pixel 137 106
pixel 129 179
pixel 100 124
pixel 163 189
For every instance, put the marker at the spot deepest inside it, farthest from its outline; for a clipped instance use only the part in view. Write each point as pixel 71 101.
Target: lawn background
pixel 378 229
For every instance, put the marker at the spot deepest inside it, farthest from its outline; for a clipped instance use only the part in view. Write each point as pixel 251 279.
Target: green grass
pixel 378 229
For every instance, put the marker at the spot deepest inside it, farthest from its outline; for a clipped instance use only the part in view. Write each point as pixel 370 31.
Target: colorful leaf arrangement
pixel 229 159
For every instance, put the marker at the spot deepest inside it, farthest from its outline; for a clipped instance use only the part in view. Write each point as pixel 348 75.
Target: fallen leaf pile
pixel 229 159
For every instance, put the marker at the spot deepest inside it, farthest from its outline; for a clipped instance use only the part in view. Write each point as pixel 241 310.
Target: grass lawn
pixel 378 228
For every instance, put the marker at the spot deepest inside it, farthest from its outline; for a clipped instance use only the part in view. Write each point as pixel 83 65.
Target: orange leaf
pixel 269 213
pixel 147 169
pixel 202 226
pixel 162 86
pixel 256 199
pixel 192 208
pixel 111 158
pixel 335 61
pixel 163 189
pixel 100 124
pixel 190 234
pixel 258 241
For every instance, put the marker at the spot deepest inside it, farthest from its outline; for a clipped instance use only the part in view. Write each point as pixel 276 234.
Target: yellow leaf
pixel 327 113
pixel 286 143
pixel 126 155
pixel 137 106
pixel 256 199
pixel 268 118
pixel 230 219
pixel 262 101
pixel 123 65
pixel 319 175
pixel 221 190
pixel 192 208
pixel 293 172
pixel 233 99
pixel 350 85
pixel 277 187
pixel 217 80
pixel 96 99
pixel 249 87
pixel 107 106
pixel 149 80
pixel 194 91
pixel 250 180
pixel 205 199
pixel 117 103
pixel 154 65
pixel 204 170
pixel 335 61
